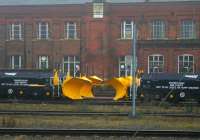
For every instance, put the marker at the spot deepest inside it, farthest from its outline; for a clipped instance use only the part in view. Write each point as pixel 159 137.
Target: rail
pixel 64 101
pixel 93 102
pixel 100 132
pixel 68 113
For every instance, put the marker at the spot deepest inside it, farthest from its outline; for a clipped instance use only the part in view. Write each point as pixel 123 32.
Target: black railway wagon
pixel 25 84
pixel 169 87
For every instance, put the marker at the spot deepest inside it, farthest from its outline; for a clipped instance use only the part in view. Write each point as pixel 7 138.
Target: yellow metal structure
pixel 86 89
pixel 55 78
pixel 77 88
pixel 68 77
pixel 95 80
pixel 81 87
pixel 121 86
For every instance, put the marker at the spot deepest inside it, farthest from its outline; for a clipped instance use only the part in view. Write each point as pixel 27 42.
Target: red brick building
pixel 97 35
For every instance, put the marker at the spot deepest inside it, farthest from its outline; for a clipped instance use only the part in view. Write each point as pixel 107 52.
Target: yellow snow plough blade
pixel 71 89
pixel 128 80
pixel 86 89
pixel 95 80
pixel 120 87
pixel 77 88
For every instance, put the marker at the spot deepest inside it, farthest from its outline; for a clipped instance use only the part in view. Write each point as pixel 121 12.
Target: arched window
pixel 156 63
pixel 186 63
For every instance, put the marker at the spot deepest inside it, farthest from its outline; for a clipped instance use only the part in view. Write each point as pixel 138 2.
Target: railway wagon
pixel 169 87
pixel 25 84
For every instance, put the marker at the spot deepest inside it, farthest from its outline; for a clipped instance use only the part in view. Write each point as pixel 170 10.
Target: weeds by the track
pixel 141 122
pixel 97 108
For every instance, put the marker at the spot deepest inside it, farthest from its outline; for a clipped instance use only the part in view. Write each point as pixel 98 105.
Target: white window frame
pixel 185 55
pixel 158 61
pixel 13 35
pixel 98 10
pixel 188 30
pixel 158 29
pixel 13 65
pixel 40 24
pixel 75 62
pixel 67 30
pixel 40 61
pixel 126 65
pixel 124 29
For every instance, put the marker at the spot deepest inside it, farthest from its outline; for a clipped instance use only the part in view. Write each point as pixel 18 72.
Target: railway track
pixel 102 101
pixel 67 113
pixel 61 101
pixel 99 132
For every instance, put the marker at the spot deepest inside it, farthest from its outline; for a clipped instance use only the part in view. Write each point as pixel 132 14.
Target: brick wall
pixel 99 39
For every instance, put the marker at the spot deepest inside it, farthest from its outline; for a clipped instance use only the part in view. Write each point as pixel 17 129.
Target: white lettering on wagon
pixel 16 82
pixel 177 85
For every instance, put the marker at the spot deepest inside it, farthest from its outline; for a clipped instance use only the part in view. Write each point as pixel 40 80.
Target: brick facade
pixel 99 44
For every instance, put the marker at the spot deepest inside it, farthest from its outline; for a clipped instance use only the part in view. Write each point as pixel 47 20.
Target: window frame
pixel 98 9
pixel 13 35
pixel 157 61
pixel 40 34
pixel 158 29
pixel 187 31
pixel 127 63
pixel 124 29
pixel 40 62
pixel 68 62
pixel 188 61
pixel 12 62
pixel 67 30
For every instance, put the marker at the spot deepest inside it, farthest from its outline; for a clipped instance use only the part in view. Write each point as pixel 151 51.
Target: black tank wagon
pixel 25 84
pixel 170 87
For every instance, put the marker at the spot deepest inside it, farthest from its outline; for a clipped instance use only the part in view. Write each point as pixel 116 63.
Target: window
pixel 15 62
pixel 98 9
pixel 158 29
pixel 185 64
pixel 127 30
pixel 125 65
pixel 155 64
pixel 43 30
pixel 188 29
pixel 16 31
pixel 70 30
pixel 43 62
pixel 71 64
